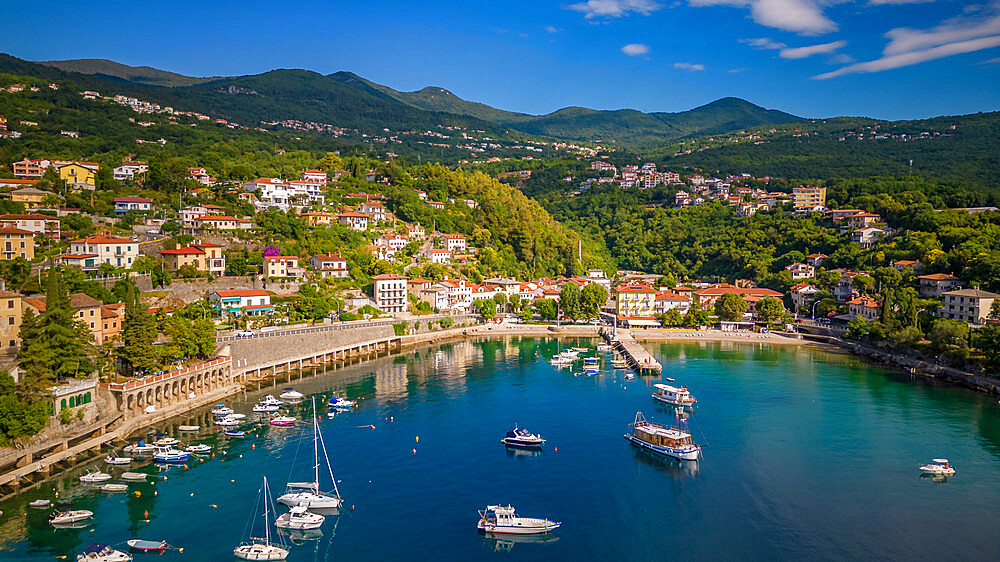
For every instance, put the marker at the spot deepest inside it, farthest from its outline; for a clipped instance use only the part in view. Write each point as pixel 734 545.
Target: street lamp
pixel 815 302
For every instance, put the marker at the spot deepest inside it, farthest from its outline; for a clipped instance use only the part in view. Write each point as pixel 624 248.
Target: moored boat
pixel 677 396
pixel 198 448
pixel 340 403
pixel 116 460
pixel 165 442
pixel 290 394
pixel 299 517
pixel 40 503
pixel 140 448
pixel 221 410
pixel 265 408
pixel 95 476
pixel 134 476
pixel 619 363
pixel 308 494
pixel 668 441
pixel 256 549
pixel 283 421
pixel 500 519
pixel 71 516
pixel 98 552
pixel 188 427
pixel 227 422
pixel 234 433
pixel 519 437
pixel 142 545
pixel 114 488
pixel 170 455
pixel 938 467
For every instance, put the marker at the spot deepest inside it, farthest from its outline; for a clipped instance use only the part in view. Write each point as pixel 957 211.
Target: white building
pixel 356 221
pixel 968 305
pixel 394 241
pixel 374 210
pixel 438 256
pixel 329 265
pixel 315 176
pixel 112 250
pixel 282 266
pixel 128 170
pixel 453 242
pixel 390 292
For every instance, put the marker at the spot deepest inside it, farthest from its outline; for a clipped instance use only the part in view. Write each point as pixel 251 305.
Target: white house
pixel 271 192
pixel 801 270
pixel 356 221
pixel 282 266
pixel 374 210
pixel 453 242
pixel 394 241
pixel 112 250
pixel 126 204
pixel 315 176
pixel 329 265
pixel 438 256
pixel 252 301
pixel 390 292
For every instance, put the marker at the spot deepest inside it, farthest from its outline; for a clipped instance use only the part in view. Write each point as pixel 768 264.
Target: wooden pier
pixel 640 360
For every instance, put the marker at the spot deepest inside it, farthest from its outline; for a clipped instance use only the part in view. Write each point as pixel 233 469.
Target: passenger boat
pixel 98 552
pixel 677 396
pixel 114 488
pixel 188 427
pixel 308 494
pixel 938 467
pixel 198 448
pixel 234 433
pixel 146 546
pixel 95 476
pixel 283 421
pixel 221 410
pixel 134 476
pixel 518 437
pixel 111 459
pixel 265 408
pixel 339 403
pixel 170 455
pixel 499 519
pixel 256 549
pixel 140 448
pixel 668 441
pixel 290 394
pixel 299 517
pixel 72 516
pixel 40 504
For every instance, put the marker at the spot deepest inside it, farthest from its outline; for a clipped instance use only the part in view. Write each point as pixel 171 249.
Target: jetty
pixel 640 360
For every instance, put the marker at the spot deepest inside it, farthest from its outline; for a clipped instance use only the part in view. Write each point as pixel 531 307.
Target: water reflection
pixel 505 543
pixel 515 452
pixel 673 467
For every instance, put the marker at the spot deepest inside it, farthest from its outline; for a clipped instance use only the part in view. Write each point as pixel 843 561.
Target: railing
pixel 324 328
pixel 120 386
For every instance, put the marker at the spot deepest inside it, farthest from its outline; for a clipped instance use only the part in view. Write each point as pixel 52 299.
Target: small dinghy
pixel 500 519
pixel 235 433
pixel 40 504
pixel 141 545
pixel 95 476
pixel 283 421
pixel 519 437
pixel 188 427
pixel 115 460
pixel 198 448
pixel 290 394
pixel 114 488
pixel 98 552
pixel 629 376
pixel 299 517
pixel 134 476
pixel 938 467
pixel 140 448
pixel 69 517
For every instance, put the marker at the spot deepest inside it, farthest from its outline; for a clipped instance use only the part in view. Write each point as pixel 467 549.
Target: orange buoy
pixel 414 451
pixel 214 506
pixel 145 514
pixel 253 446
pixel 372 427
pixel 138 493
pixel 555 449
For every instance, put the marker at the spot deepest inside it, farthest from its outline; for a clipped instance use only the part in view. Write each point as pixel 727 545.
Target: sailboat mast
pixel 267 528
pixel 315 445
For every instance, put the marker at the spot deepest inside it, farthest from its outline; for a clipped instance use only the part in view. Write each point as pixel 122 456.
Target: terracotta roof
pixel 389 276
pixel 280 258
pixel 938 277
pixel 329 257
pixel 132 200
pixel 18 181
pixel 103 239
pixel 183 251
pixel 14 230
pixel 352 215
pixel 243 293
pixel 748 292
pixel 77 256
pixel 27 216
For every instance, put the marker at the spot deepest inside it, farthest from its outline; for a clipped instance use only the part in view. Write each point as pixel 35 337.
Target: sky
pixel 889 59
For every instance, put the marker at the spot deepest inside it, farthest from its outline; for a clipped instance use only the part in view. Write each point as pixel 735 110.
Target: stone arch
pixel 129 403
pixel 157 395
pixel 86 398
pixel 140 400
pixel 72 401
pixel 184 386
pixel 149 397
pixel 175 388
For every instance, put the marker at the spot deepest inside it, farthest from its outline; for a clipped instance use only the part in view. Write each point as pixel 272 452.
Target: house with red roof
pixel 112 250
pixel 252 302
pixel 330 265
pixel 282 266
pixel 353 220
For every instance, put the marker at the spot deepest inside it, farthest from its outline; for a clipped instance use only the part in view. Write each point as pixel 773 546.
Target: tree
pixel 695 316
pixel 769 309
pixel 547 309
pixel 501 300
pixel 988 341
pixel 515 301
pixel 858 328
pixel 730 307
pixel 862 283
pixel 569 300
pixel 995 310
pixel 907 337
pixel 138 335
pixel 57 344
pixel 527 315
pixel 487 308
pixel 671 317
pixel 592 298
pixel 946 332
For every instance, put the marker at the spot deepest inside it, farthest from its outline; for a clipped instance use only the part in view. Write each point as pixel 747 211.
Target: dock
pixel 640 360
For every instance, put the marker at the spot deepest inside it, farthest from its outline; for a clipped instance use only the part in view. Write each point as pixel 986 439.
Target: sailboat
pixel 308 494
pixel 257 550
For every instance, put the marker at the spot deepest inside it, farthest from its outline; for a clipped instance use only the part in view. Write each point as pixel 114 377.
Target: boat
pixel 165 442
pixel 519 437
pixel 500 519
pixel 95 476
pixel 299 517
pixel 308 494
pixel 170 455
pixel 237 416
pixel 114 488
pixel 339 403
pixel 110 459
pixel 938 467
pixel 72 516
pixel 619 363
pixel 290 394
pixel 629 376
pixel 604 347
pixel 283 421
pixel 188 427
pixel 221 410
pixel 98 552
pixel 591 365
pixel 256 549
pixel 580 349
pixel 677 396
pixel 227 422
pixel 669 441
pixel 40 504
pixel 561 360
pixel 146 546
pixel 198 448
pixel 265 408
pixel 140 448
pixel 668 379
pixel 270 399
pixel 134 476
pixel 234 433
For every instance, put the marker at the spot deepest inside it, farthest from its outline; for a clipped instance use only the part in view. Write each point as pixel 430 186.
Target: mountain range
pixel 347 100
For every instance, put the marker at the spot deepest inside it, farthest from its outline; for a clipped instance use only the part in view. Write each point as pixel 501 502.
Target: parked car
pixel 245 333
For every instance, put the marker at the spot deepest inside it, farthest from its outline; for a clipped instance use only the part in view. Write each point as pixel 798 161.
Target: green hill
pixel 145 75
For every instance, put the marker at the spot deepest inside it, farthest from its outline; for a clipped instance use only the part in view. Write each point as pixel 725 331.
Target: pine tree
pixel 35 378
pixel 55 345
pixel 137 352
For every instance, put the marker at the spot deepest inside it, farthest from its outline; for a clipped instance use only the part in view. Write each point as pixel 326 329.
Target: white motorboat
pixel 114 488
pixel 308 494
pixel 290 394
pixel 299 517
pixel 98 552
pixel 40 504
pixel 198 448
pixel 339 403
pixel 67 517
pixel 519 437
pixel 165 442
pixel 188 427
pixel 562 360
pixel 237 416
pixel 262 550
pixel 676 396
pixel 938 467
pixel 134 476
pixel 146 545
pixel 140 448
pixel 265 408
pixel 604 347
pixel 95 476
pixel 227 422
pixel 221 410
pixel 110 459
pixel 500 519
pixel 170 455
pixel 270 399
pixel 580 349
pixel 619 363
pixel 629 376
pixel 283 421
pixel 669 441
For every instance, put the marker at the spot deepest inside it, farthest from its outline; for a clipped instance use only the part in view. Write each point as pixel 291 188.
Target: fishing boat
pixel 258 549
pixel 40 504
pixel 283 421
pixel 165 442
pixel 114 488
pixel 95 476
pixel 134 476
pixel 308 494
pixel 938 467
pixel 500 519
pixel 676 396
pixel 140 448
pixel 221 410
pixel 115 460
pixel 523 438
pixel 669 441
pixel 68 517
pixel 290 394
pixel 198 448
pixel 619 363
pixel 234 433
pixel 265 408
pixel 299 517
pixel 340 403
pixel 227 422
pixel 188 427
pixel 170 455
pixel 142 545
pixel 98 552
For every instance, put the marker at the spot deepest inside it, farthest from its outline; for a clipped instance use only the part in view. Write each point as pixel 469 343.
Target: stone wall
pixel 189 291
pixel 252 353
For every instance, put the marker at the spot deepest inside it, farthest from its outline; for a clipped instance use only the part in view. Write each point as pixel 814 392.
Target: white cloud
pixel 805 52
pixel 635 49
pixel 763 43
pixel 990 61
pixel 801 16
pixel 615 8
pixel 551 29
pixel 735 70
pixel 688 66
pixel 897 2
pixel 908 59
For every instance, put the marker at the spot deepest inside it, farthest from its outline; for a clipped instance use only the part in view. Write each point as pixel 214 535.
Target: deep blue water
pixel 808 455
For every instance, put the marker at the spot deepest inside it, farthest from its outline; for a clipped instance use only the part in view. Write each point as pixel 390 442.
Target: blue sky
pixel 893 59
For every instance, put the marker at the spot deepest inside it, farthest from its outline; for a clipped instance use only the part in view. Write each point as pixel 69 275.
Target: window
pixel 10 303
pixel 10 321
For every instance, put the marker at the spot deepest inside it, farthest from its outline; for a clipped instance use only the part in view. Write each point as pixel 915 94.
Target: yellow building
pixel 319 219
pixel 31 197
pixel 78 176
pixel 809 196
pixel 11 308
pixel 16 243
pixel 635 300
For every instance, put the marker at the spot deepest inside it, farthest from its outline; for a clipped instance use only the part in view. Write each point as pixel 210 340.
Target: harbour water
pixel 807 455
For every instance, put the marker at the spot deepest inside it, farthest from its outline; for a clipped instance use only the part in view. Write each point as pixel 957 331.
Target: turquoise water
pixel 808 455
